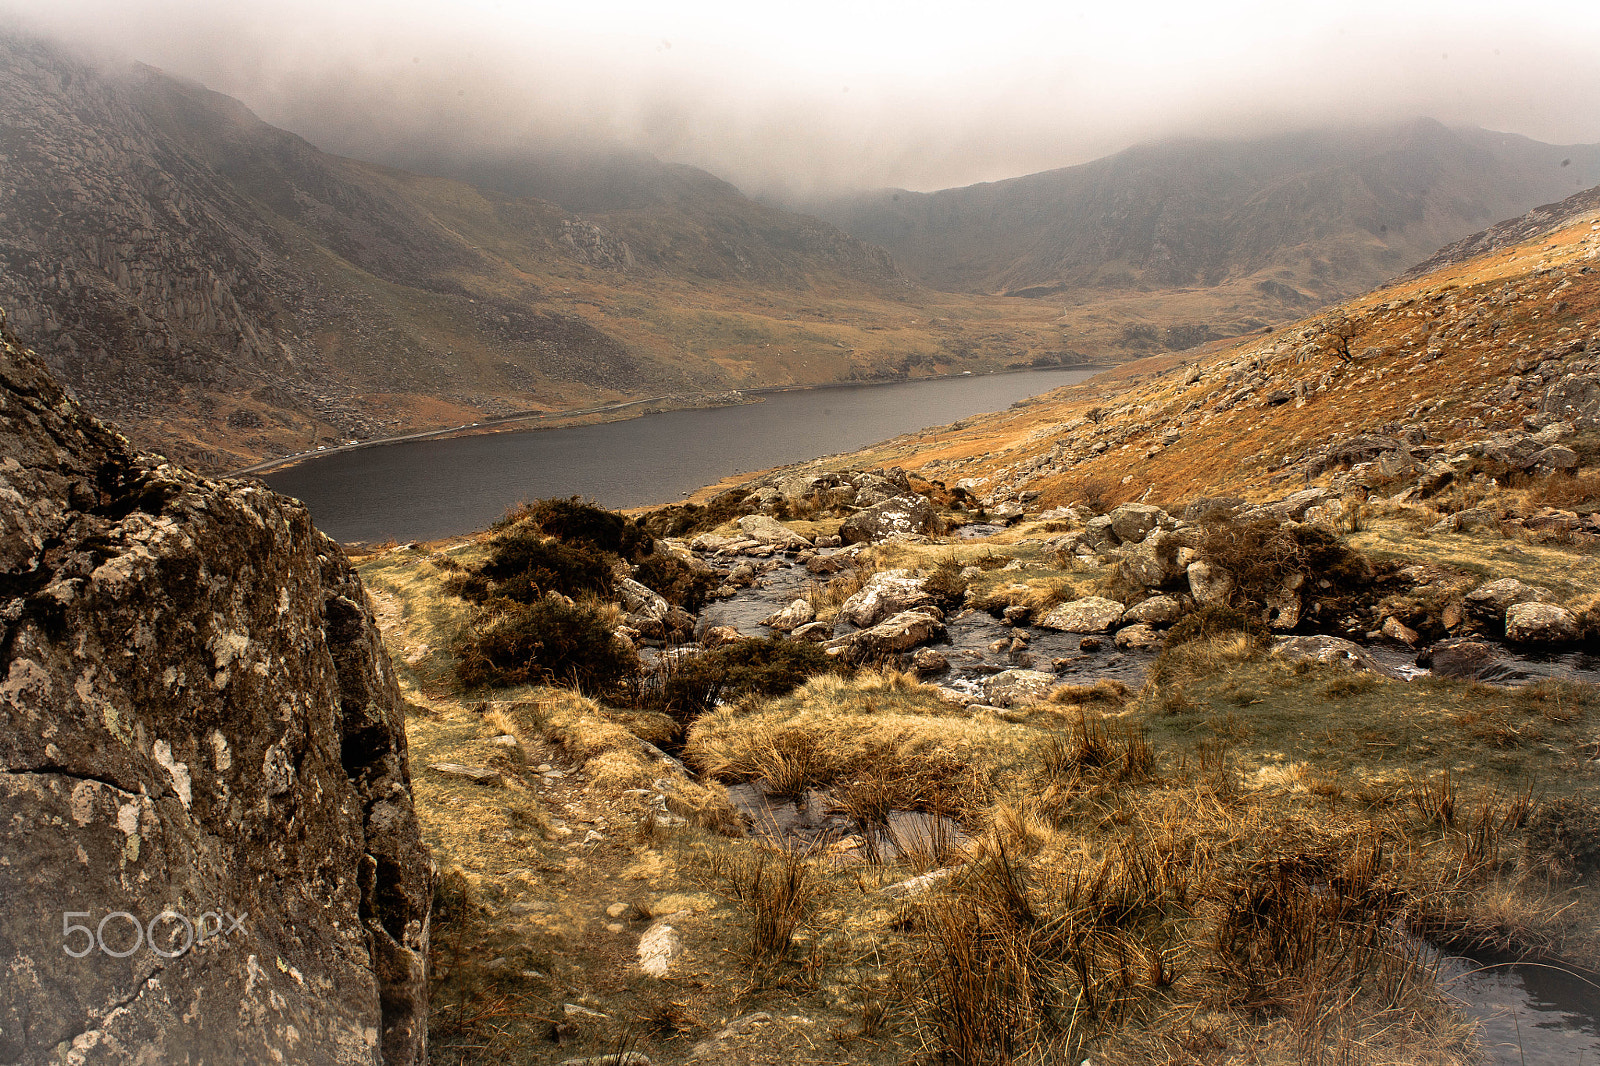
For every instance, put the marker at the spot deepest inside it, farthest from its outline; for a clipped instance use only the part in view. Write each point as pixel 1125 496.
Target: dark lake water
pixel 421 490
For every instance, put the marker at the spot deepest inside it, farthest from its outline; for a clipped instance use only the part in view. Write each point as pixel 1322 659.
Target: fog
pixel 794 100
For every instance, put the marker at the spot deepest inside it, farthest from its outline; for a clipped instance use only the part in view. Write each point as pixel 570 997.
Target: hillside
pixel 224 291
pixel 1170 244
pixel 1470 358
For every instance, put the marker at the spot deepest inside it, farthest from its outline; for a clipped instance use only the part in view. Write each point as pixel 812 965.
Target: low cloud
pixel 848 97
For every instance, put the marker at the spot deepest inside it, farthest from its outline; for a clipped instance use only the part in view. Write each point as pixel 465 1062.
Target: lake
pixel 421 490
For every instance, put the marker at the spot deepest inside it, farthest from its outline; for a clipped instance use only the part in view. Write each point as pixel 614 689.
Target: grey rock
pixel 199 714
pixel 1138 637
pixel 815 632
pixel 902 632
pixel 1541 623
pixel 1325 649
pixel 792 617
pixel 886 593
pixel 765 529
pixel 903 515
pixel 1155 611
pixel 1210 585
pixel 1490 600
pixel 1092 614
pixel 478 775
pixel 1013 688
pixel 1132 521
pixel 929 663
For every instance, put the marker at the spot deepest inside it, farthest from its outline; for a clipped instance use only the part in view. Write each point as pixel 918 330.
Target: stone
pixel 478 775
pixel 1099 534
pixel 886 593
pixel 929 663
pixel 1468 520
pixel 1541 623
pixel 640 601
pixel 717 636
pixel 1091 644
pixel 1013 688
pixel 1325 649
pixel 1472 659
pixel 814 632
pixel 902 632
pixel 916 886
pixel 1211 506
pixel 1155 611
pixel 1017 614
pixel 1092 614
pixel 1209 584
pixel 765 529
pixel 1490 600
pixel 823 565
pixel 1554 458
pixel 199 714
pixel 899 515
pixel 797 614
pixel 1395 629
pixel 660 945
pixel 1283 606
pixel 1138 637
pixel 1132 521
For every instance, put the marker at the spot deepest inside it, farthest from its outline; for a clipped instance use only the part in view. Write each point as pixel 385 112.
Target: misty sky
pixel 833 94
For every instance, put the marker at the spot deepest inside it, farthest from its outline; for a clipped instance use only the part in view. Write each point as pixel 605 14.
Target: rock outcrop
pixel 199 733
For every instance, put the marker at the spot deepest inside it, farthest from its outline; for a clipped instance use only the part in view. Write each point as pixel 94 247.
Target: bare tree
pixel 1337 335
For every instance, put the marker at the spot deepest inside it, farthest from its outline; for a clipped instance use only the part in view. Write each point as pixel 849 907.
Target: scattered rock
pixel 1325 649
pixel 1540 623
pixel 660 946
pixel 886 593
pixel 792 617
pixel 1092 614
pixel 1132 521
pixel 902 632
pixel 899 515
pixel 1013 688
pixel 929 663
pixel 1490 600
pixel 1139 637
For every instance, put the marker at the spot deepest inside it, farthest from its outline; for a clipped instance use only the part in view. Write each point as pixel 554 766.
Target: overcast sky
pixel 831 94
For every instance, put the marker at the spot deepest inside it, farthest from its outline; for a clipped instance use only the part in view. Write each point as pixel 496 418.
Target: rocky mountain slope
pixel 221 288
pixel 1482 370
pixel 201 739
pixel 1171 244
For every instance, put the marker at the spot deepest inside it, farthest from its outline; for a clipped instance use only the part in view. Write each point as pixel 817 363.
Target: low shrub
pixel 946 582
pixel 687 519
pixel 552 640
pixel 676 581
pixel 751 667
pixel 523 565
pixel 572 520
pixel 1263 555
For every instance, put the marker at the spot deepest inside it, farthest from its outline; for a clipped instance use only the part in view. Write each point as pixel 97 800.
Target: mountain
pixel 224 291
pixel 1186 240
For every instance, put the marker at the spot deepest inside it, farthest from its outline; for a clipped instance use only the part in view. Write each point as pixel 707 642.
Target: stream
pixel 1527 1014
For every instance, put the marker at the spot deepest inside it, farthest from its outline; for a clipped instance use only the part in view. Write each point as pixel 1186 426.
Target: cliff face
pixel 198 723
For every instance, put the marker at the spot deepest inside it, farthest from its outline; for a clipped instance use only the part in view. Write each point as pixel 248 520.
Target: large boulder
pixel 1325 649
pixel 898 516
pixel 765 529
pixel 1541 623
pixel 1155 611
pixel 1017 688
pixel 1133 521
pixel 792 617
pixel 1209 584
pixel 1490 600
pixel 1092 614
pixel 198 724
pixel 896 634
pixel 885 593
